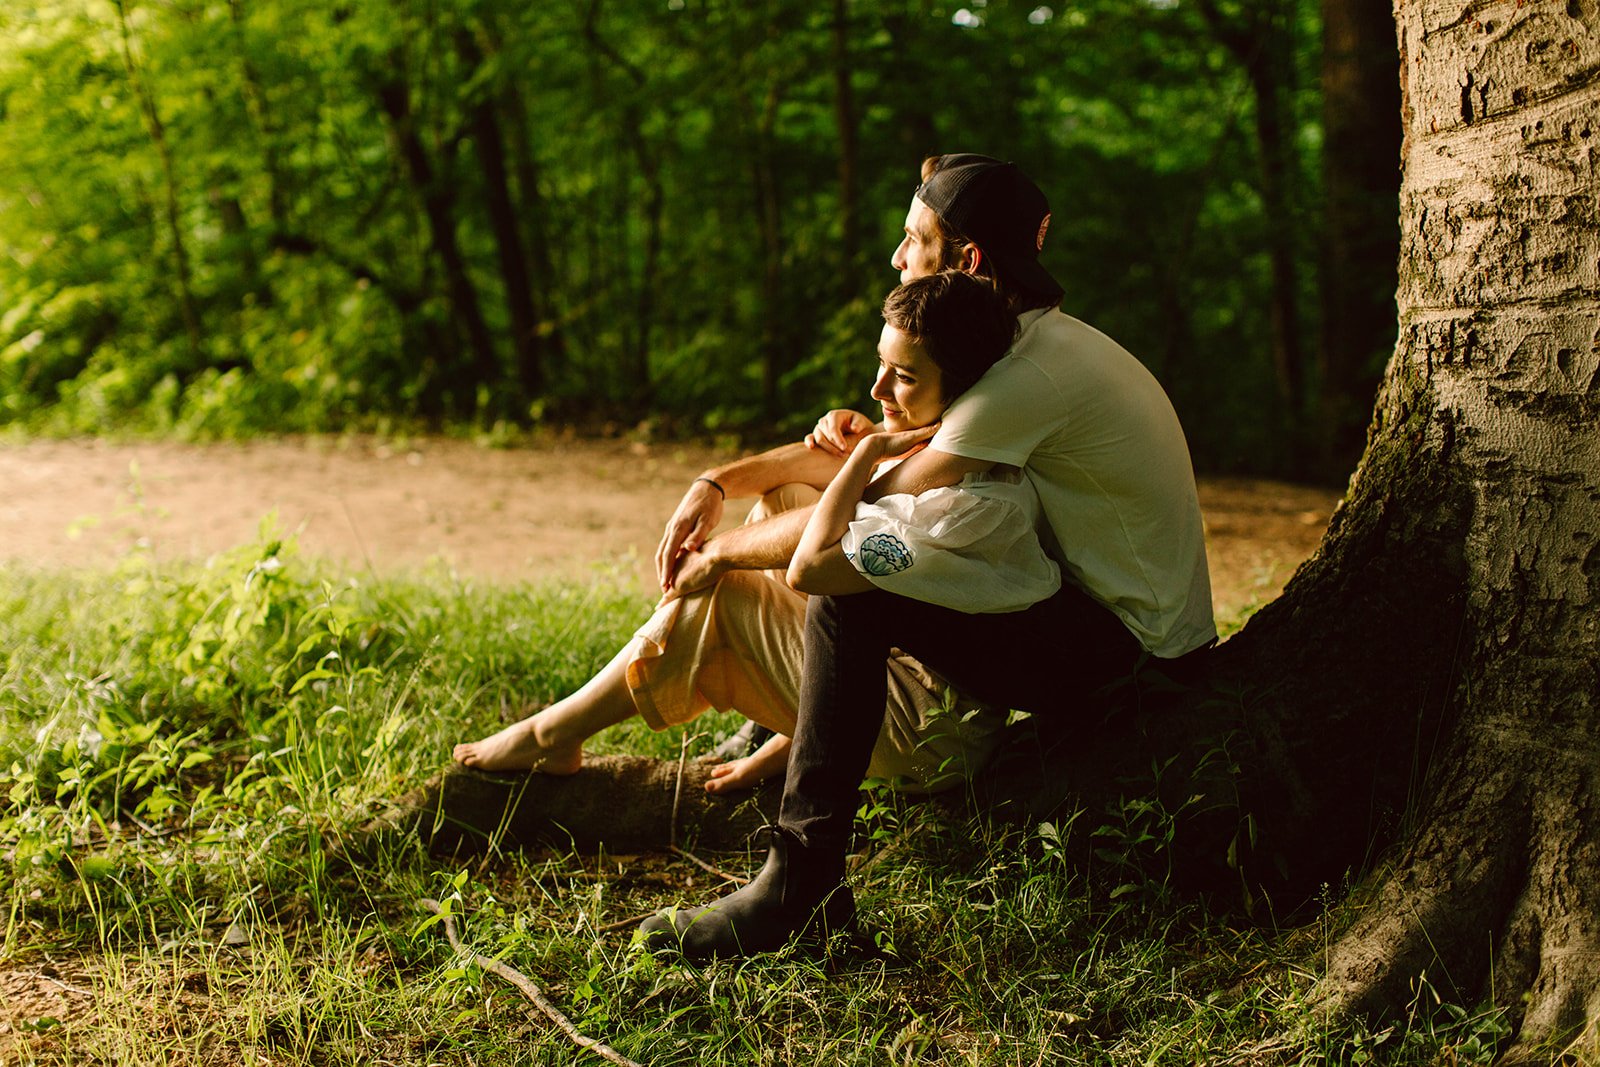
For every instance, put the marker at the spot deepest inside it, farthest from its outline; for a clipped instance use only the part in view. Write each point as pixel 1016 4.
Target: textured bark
pixel 1497 892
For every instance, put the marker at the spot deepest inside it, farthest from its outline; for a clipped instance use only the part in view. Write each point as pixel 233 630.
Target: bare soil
pixel 553 510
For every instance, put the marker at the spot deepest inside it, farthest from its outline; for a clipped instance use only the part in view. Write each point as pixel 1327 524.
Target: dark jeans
pixel 1041 660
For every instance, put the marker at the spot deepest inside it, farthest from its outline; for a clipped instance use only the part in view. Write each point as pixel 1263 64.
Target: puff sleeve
pixel 972 547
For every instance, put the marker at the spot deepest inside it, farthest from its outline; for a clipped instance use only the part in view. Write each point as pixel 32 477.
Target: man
pixel 1097 437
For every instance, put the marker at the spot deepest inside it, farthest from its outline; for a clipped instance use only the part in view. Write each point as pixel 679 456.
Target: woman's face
pixel 910 386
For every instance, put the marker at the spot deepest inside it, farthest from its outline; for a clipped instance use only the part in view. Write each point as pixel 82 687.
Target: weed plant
pixel 195 767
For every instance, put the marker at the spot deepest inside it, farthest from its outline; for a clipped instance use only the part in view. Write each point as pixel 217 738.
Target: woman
pixel 738 644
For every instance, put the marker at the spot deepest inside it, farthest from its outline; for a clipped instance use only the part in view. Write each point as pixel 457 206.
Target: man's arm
pixel 701 507
pixel 760 545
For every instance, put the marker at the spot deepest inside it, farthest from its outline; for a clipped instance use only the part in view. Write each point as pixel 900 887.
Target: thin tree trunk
pixel 532 217
pixel 1263 47
pixel 1361 242
pixel 438 203
pixel 257 106
pixel 775 360
pixel 844 110
pixel 157 131
pixel 653 203
pixel 515 280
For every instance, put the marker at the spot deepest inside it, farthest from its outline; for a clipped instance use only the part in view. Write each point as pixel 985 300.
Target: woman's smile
pixel 909 385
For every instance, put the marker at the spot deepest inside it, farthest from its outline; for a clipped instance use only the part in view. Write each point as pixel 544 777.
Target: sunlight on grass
pixel 196 762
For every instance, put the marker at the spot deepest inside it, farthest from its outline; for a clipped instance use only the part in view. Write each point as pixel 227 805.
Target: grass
pixel 190 758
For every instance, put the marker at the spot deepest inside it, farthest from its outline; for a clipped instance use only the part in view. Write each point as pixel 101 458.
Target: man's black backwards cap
pixel 999 209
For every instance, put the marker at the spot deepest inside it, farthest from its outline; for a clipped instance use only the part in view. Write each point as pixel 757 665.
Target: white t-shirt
pixel 1096 435
pixel 972 546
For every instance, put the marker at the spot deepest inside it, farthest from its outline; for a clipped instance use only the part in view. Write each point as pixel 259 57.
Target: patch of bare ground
pixel 553 509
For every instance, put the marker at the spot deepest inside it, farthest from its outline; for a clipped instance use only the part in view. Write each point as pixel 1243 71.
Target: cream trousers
pixel 737 647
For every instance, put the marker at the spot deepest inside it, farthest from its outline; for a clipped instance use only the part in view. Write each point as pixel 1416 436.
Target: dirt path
pixel 553 510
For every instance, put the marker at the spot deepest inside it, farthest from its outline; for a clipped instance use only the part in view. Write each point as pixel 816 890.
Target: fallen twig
pixel 68 988
pixel 704 866
pixel 529 990
pixel 623 924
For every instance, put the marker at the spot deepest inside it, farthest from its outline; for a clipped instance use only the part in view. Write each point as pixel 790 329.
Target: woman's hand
pixel 882 446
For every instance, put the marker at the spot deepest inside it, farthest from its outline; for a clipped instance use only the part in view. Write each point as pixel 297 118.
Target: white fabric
pixel 971 547
pixel 1097 437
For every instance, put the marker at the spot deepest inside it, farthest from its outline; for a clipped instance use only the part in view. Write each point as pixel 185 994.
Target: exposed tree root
pixel 1495 899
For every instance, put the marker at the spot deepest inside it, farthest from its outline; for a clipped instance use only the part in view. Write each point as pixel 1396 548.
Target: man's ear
pixel 969 258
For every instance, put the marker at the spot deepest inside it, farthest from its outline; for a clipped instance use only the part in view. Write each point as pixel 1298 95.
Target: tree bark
pixel 626 803
pixel 1497 892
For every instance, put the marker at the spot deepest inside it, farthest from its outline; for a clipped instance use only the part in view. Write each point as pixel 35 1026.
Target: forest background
pixel 231 218
pixel 226 217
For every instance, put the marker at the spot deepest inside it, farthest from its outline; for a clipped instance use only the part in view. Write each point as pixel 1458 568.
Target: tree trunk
pixel 652 202
pixel 438 202
pixel 775 355
pixel 534 211
pixel 1497 893
pixel 489 144
pixel 844 111
pixel 1361 184
pixel 187 308
pixel 1262 44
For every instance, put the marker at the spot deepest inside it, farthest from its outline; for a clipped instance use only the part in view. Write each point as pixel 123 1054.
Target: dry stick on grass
pixel 623 924
pixel 529 990
pixel 704 866
pixel 672 836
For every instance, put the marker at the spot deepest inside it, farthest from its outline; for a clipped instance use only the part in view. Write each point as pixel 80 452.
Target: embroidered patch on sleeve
pixel 883 554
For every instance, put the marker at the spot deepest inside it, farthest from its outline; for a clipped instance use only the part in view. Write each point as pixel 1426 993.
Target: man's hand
pixel 696 570
pixel 698 514
pixel 838 432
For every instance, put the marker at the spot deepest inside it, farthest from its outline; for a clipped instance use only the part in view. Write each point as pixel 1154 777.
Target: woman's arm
pixel 819 564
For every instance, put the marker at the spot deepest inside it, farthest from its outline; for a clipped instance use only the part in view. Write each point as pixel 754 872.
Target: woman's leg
pixel 552 740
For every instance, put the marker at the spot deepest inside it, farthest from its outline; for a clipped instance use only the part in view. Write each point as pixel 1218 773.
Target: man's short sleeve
pixel 1004 417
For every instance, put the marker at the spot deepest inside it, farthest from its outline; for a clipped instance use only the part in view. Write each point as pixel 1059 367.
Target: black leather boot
pixel 799 892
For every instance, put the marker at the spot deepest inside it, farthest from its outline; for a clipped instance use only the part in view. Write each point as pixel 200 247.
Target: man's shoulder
pixel 1054 340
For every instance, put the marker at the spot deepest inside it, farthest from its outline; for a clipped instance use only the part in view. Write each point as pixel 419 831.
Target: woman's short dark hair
pixel 961 321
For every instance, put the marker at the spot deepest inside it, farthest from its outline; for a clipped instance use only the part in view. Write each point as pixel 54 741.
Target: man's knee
pixel 786 497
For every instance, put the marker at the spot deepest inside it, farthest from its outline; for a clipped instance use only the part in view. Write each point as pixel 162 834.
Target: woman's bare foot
pixel 765 762
pixel 520 747
pixel 736 774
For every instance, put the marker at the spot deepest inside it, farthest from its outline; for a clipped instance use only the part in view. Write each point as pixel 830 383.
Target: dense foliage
pixel 229 216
